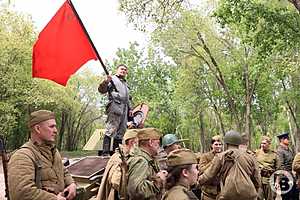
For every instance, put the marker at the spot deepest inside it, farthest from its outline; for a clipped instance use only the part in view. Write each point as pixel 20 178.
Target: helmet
pixel 170 139
pixel 233 137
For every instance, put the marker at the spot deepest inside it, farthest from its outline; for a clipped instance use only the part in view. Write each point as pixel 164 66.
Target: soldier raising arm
pixel 117 108
pixel 237 169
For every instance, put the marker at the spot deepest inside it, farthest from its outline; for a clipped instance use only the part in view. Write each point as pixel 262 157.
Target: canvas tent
pixel 95 141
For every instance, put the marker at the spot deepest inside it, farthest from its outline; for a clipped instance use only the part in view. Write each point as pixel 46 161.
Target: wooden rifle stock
pixel 4 163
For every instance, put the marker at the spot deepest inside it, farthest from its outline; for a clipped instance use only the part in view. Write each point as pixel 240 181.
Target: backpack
pixel 237 183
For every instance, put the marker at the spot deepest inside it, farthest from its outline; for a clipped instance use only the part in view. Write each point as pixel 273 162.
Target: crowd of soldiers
pixel 143 168
pixel 226 172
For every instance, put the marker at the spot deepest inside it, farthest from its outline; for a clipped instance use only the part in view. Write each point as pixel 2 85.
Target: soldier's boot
pixel 116 143
pixel 106 145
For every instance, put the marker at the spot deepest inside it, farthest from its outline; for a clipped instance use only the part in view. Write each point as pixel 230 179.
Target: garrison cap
pixel 129 134
pixel 181 157
pixel 149 133
pixel 40 116
pixel 283 135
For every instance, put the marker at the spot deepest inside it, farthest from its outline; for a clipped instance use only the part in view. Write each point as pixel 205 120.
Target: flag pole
pixel 89 38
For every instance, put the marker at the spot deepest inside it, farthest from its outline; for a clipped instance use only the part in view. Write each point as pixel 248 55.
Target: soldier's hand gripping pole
pixel 4 162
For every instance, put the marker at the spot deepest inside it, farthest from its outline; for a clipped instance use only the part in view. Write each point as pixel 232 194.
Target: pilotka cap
pixel 181 157
pixel 40 116
pixel 129 134
pixel 149 133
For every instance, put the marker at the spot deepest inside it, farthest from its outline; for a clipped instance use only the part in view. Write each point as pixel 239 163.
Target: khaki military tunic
pixel 296 167
pixel 141 176
pixel 211 189
pixel 110 183
pixel 268 163
pixel 179 192
pixel 21 173
pixel 246 161
pixel 296 164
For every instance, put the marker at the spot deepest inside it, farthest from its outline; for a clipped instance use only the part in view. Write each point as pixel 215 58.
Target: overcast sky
pixel 106 25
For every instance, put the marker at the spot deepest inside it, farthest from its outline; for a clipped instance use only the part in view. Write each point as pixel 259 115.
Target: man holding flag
pixel 117 109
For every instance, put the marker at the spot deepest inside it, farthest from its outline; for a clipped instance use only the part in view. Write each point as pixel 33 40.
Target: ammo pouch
pixel 115 107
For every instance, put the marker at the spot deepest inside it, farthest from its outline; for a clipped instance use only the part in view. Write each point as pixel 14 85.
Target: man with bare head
pixel 118 107
pixel 268 163
pixel 211 190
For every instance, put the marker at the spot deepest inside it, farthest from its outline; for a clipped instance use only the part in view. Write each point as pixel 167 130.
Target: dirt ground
pixel 2 184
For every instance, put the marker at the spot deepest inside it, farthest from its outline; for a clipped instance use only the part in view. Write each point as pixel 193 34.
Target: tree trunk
pixel 248 101
pixel 64 117
pixel 203 145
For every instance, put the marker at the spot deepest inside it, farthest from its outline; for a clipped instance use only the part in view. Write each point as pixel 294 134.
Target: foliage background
pixel 209 67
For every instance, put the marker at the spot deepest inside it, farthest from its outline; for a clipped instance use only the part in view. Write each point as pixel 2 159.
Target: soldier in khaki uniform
pixel 183 173
pixel 211 189
pixel 238 162
pixel 296 168
pixel 268 163
pixel 145 179
pixel 35 171
pixel 111 183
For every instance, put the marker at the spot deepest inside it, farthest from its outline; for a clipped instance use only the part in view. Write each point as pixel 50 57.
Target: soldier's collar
pixel 121 78
pixel 181 183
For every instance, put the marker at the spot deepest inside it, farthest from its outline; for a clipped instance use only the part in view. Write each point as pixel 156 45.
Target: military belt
pixel 119 100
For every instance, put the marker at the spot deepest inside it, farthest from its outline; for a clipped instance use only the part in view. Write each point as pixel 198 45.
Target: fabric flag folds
pixel 62 47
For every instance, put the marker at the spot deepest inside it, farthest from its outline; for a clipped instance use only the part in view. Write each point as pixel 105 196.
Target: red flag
pixel 62 47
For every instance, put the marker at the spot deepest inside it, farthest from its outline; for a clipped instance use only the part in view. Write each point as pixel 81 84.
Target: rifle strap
pixel 37 167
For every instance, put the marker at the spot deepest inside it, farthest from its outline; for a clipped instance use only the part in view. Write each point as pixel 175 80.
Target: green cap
pixel 149 133
pixel 40 116
pixel 181 157
pixel 170 139
pixel 129 134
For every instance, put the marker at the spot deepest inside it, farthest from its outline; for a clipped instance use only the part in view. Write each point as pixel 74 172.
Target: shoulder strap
pixel 37 166
pixel 191 195
pixel 229 160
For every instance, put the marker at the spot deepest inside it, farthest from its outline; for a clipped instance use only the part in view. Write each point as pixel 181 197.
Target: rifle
pixel 123 184
pixel 4 162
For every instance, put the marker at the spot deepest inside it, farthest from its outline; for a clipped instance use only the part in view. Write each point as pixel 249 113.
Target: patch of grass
pixel 77 154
